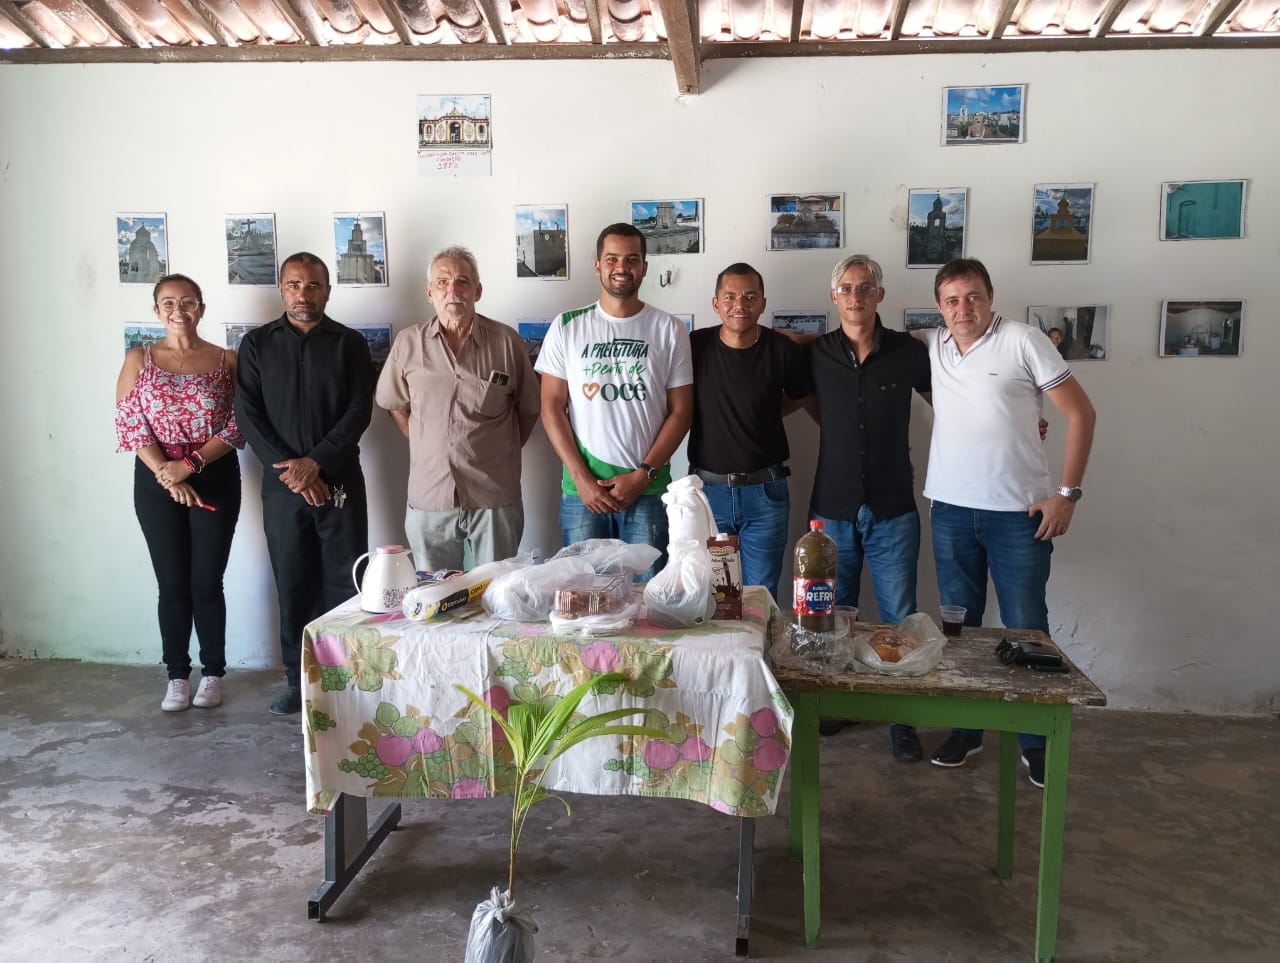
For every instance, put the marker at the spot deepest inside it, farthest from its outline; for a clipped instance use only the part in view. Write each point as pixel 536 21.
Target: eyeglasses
pixel 187 304
pixel 865 288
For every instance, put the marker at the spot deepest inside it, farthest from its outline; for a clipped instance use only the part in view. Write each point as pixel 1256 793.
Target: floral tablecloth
pixel 382 716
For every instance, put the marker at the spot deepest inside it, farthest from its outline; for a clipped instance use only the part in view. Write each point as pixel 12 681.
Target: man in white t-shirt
pixel 617 400
pixel 994 506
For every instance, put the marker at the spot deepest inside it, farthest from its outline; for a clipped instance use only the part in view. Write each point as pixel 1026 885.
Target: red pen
pixel 206 506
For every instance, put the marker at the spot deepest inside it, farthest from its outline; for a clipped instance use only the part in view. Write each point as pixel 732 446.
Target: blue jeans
pixel 968 543
pixel 758 515
pixel 891 546
pixel 644 523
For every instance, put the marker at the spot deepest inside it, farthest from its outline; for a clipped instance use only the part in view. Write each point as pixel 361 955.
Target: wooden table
pixel 969 689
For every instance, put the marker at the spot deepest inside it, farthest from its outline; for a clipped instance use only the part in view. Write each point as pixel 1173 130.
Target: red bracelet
pixel 190 465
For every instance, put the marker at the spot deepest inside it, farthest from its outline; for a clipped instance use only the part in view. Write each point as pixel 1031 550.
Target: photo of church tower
pixel 1060 231
pixel 360 249
pixel 142 247
pixel 935 225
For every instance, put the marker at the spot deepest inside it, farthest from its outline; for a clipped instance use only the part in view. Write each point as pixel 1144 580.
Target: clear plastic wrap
pixel 594 605
pixel 610 556
pixel 528 594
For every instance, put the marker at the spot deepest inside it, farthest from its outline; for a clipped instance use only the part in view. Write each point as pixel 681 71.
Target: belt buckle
pixel 735 478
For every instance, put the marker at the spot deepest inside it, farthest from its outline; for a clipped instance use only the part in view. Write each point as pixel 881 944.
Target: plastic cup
pixel 846 615
pixel 952 618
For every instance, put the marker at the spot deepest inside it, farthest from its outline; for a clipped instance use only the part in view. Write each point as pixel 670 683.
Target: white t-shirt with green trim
pixel 618 371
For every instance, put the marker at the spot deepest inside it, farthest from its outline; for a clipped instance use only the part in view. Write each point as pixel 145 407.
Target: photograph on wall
pixel 669 227
pixel 983 115
pixel 378 337
pixel 142 247
pixel 137 335
pixel 455 135
pixel 921 319
pixel 686 320
pixel 542 241
pixel 233 334
pixel 1199 329
pixel 805 221
pixel 360 249
pixel 802 322
pixel 1080 332
pixel 534 332
pixel 1061 223
pixel 935 225
pixel 251 249
pixel 1201 210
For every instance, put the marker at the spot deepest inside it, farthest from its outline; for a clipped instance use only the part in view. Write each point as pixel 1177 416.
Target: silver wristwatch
pixel 1071 494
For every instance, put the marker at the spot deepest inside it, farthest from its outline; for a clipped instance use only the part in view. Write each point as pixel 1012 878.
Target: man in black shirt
pixel 863 377
pixel 743 376
pixel 304 396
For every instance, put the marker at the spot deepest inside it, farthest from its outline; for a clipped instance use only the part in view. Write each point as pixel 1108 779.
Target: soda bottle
pixel 814 569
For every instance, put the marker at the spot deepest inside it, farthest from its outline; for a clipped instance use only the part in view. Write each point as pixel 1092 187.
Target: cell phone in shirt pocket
pixel 496 395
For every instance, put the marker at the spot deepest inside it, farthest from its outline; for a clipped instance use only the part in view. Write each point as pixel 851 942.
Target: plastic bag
pixel 528 594
pixel 916 662
pixel 681 595
pixel 611 556
pixel 500 933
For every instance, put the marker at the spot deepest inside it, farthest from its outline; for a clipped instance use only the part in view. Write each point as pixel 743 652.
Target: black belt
pixel 737 479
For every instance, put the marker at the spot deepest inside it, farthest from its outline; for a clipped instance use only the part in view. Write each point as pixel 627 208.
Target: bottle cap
pixel 815 524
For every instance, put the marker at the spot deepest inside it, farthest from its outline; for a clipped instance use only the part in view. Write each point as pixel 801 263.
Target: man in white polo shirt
pixel 995 508
pixel 617 400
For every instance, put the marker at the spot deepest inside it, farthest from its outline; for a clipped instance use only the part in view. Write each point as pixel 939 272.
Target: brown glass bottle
pixel 814 569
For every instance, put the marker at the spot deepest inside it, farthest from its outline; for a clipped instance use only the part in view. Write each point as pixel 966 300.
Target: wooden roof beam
pixel 207 19
pixel 683 38
pixel 494 18
pixel 1107 18
pixel 36 33
pixel 301 26
pixel 401 25
pixel 1003 16
pixel 896 18
pixel 119 25
pixel 1217 17
pixel 797 18
pixel 593 21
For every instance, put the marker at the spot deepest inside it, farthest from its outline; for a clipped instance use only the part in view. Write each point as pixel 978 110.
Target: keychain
pixel 339 496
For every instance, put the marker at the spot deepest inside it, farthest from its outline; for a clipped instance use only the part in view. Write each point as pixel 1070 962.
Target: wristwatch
pixel 1071 494
pixel 649 470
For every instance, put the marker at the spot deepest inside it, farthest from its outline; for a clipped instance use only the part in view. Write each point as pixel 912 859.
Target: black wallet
pixel 1030 654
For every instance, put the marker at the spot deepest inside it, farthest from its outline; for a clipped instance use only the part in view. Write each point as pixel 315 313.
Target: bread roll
pixel 892 646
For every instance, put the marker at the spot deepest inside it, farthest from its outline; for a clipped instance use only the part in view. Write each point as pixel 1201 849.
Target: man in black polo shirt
pixel 743 376
pixel 863 376
pixel 304 396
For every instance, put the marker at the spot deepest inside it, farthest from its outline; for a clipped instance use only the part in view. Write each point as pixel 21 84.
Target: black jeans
pixel 189 550
pixel 312 551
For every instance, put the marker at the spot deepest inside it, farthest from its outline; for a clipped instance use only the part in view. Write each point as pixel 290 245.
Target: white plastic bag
pixel 528 594
pixel 681 595
pixel 611 556
pixel 500 933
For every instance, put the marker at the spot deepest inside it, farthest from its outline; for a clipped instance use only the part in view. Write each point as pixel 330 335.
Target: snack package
pixel 594 605
pixel 427 601
pixel 726 575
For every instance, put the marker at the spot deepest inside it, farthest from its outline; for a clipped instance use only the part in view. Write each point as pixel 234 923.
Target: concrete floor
pixel 131 834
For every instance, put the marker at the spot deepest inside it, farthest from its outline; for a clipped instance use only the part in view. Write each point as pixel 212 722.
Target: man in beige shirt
pixel 462 390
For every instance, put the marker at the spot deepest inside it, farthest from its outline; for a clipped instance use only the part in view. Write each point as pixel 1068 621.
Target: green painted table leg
pixel 1057 752
pixel 1005 804
pixel 804 809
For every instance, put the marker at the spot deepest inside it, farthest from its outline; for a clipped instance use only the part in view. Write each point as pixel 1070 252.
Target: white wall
pixel 1165 586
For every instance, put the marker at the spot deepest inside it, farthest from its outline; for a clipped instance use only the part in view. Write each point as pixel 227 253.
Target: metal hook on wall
pixel 665 278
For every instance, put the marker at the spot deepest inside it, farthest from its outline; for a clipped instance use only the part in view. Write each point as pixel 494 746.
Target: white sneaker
pixel 177 697
pixel 209 694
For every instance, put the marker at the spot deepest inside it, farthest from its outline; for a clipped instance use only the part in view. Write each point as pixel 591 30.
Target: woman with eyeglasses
pixel 175 411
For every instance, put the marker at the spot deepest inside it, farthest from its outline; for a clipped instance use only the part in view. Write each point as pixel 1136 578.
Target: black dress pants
pixel 312 551
pixel 189 550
